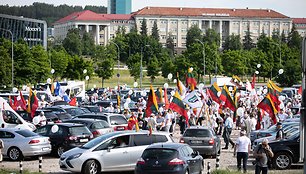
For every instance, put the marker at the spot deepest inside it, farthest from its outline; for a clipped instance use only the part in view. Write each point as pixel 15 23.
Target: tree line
pixel 47 12
pixel 78 52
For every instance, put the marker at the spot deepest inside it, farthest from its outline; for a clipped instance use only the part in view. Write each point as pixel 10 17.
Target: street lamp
pixel 142 48
pixel 12 54
pixel 280 71
pixel 118 63
pixel 203 53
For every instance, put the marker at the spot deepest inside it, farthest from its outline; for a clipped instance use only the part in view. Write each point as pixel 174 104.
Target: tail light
pixel 141 161
pixel 72 138
pixel 95 133
pixel 176 161
pixel 211 141
pixel 182 140
pixel 34 141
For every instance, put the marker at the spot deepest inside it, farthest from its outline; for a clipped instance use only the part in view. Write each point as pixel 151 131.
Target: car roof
pixel 85 120
pixel 141 132
pixel 67 124
pixel 199 127
pixel 12 129
pixel 166 145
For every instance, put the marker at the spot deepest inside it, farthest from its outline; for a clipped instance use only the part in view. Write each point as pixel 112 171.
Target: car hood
pixel 73 151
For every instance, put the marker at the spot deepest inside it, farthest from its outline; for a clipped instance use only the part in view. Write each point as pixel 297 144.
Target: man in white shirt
pixel 282 115
pixel 243 148
pixel 228 126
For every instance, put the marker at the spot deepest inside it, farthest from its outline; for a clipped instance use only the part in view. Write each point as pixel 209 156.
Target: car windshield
pixel 294 135
pixel 94 109
pixel 80 130
pixel 117 120
pixel 159 153
pixel 26 133
pixel 100 125
pixel 197 133
pixel 96 141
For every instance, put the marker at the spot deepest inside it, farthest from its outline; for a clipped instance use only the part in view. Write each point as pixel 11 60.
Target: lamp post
pixel 118 63
pixel 203 53
pixel 12 54
pixel 280 71
pixel 142 48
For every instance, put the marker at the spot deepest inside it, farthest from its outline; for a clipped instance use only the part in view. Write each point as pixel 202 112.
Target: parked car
pixel 270 131
pixel 169 158
pixel 115 151
pixel 117 121
pixel 65 136
pixel 20 143
pixel 96 127
pixel 202 139
pixel 91 108
pixel 286 151
pixel 72 110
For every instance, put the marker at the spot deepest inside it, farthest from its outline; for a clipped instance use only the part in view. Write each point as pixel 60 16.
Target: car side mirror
pixel 194 154
pixel 109 148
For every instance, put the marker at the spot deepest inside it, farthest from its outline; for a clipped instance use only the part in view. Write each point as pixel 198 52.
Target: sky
pixel 291 8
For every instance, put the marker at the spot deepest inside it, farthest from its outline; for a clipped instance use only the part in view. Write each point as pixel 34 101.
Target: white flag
pixel 193 100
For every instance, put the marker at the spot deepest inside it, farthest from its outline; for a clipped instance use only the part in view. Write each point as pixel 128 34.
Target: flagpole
pixel 200 112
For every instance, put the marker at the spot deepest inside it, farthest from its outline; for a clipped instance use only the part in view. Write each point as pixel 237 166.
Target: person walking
pixel 262 154
pixel 243 149
pixel 228 126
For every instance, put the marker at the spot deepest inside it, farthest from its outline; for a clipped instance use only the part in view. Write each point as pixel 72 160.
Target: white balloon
pixel 265 91
pixel 36 120
pixel 166 85
pixel 48 80
pixel 85 71
pixel 191 69
pixel 135 84
pixel 219 93
pixel 230 88
pixel 201 85
pixel 174 81
pixel 54 128
pixel 258 65
pixel 15 90
pixel 24 87
pixel 130 92
pixel 95 86
pixel 170 76
pixel 42 97
pixel 256 72
pixel 92 89
pixel 116 87
pixel 87 78
pixel 52 71
pixel 281 71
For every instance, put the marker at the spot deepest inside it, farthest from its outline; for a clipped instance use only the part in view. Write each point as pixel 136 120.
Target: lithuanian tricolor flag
pixel 159 95
pixel 32 103
pixel 152 106
pixel 267 105
pixel 227 99
pixel 213 92
pixel 178 106
pixel 190 80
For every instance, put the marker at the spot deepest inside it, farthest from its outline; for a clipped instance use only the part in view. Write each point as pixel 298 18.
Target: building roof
pixel 88 15
pixel 221 12
pixel 299 20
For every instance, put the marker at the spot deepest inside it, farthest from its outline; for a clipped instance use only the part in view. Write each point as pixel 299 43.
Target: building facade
pixel 300 25
pixel 101 26
pixel 119 6
pixel 32 31
pixel 176 22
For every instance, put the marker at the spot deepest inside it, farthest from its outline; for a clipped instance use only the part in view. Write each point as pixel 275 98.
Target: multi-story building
pixel 102 26
pixel 300 25
pixel 119 6
pixel 176 22
pixel 32 31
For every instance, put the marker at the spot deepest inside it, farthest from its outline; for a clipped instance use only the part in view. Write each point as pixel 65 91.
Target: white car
pixel 20 143
pixel 116 151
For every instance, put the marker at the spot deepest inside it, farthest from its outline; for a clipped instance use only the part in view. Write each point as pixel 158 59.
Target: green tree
pixel 134 65
pixel 167 67
pixel 211 37
pixel 193 33
pixel 104 59
pixel 232 42
pixel 75 68
pixel 170 45
pixel 283 37
pixel 153 69
pixel 182 65
pixel 294 39
pixel 88 44
pixel 275 36
pixel 144 29
pixel 155 31
pixel 232 59
pixel 247 40
pixel 41 64
pixel 5 66
pixel 292 73
pixel 59 60
pixel 72 43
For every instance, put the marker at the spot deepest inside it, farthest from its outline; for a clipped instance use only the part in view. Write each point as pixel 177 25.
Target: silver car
pixel 116 151
pixel 23 143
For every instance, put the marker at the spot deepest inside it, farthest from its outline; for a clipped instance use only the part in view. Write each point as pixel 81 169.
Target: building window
pixel 184 22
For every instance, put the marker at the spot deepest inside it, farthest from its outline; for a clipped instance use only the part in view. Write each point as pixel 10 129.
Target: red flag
pixel 21 102
pixel 300 90
pixel 167 104
pixel 32 103
pixel 152 106
pixel 13 104
pixel 253 81
pixel 73 101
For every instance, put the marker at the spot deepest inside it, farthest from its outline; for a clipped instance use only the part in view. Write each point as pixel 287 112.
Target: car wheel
pixel 60 150
pixel 14 153
pixel 282 160
pixel 91 167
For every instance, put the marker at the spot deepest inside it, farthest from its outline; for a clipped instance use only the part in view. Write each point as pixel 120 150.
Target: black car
pixel 65 136
pixel 202 139
pixel 286 151
pixel 169 158
pixel 72 110
pixel 91 108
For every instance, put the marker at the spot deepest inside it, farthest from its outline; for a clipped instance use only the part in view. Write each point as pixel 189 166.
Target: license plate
pixel 196 142
pixel 45 148
pixel 120 128
pixel 83 140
